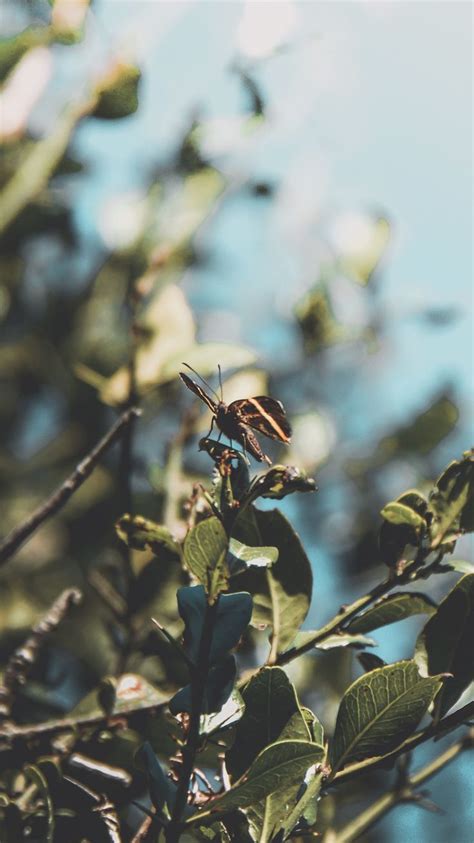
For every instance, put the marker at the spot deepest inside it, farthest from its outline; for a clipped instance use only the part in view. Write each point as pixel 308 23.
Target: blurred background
pixel 279 187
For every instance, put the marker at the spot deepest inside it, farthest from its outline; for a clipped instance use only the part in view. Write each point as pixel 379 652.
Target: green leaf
pixel 278 482
pixel 280 765
pixel 398 540
pixel 140 534
pixel 241 556
pixel 398 513
pixel 338 639
pixel 205 549
pixel 306 807
pixel 379 711
pixel 232 618
pixel 281 595
pixel 270 701
pixel 452 500
pixel 391 609
pixel 230 712
pixel 132 692
pixel 118 93
pixel 445 644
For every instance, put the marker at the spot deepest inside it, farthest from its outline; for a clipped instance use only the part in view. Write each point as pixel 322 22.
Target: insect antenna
pixel 220 381
pixel 204 381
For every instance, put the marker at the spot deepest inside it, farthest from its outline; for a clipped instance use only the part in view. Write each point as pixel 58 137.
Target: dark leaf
pixel 232 618
pixel 162 790
pixel 278 482
pixel 370 661
pixel 452 500
pixel 218 689
pixel 446 643
pixel 270 701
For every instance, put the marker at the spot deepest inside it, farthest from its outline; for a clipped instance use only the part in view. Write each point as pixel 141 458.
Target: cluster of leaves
pixel 278 759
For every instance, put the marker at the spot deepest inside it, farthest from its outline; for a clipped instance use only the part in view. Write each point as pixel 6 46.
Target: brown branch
pixel 24 658
pixel 405 792
pixel 142 833
pixel 61 495
pixel 434 730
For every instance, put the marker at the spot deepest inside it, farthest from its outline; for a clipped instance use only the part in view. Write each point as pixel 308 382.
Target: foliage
pixel 157 680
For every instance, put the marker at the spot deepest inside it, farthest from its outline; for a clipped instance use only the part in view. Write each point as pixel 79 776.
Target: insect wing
pixel 198 390
pixel 265 415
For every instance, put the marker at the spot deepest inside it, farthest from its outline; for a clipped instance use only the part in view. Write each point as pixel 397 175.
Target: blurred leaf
pixel 452 500
pixel 316 321
pixel 282 595
pixel 162 789
pixel 132 693
pixel 12 49
pixel 339 639
pixel 391 609
pixel 270 701
pixel 37 777
pixel 379 711
pixel 360 242
pixel 419 436
pixel 445 644
pixel 232 618
pixel 205 550
pixel 278 766
pixel 218 689
pixel 140 533
pixel 241 556
pixel 458 565
pixel 117 95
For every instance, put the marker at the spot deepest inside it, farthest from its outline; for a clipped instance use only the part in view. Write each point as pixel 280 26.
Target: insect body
pixel 236 420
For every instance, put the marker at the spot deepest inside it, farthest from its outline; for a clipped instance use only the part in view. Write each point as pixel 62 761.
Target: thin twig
pixel 142 833
pixel 23 659
pixel 434 730
pixel 413 571
pixel 61 495
pixel 406 793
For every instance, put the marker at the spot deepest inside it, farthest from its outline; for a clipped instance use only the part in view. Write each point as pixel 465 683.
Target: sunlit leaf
pixel 241 556
pixel 379 711
pixel 278 766
pixel 446 643
pixel 391 609
pixel 399 513
pixel 205 550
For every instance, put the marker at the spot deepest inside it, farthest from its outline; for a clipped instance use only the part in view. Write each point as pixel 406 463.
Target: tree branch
pixel 406 792
pixel 434 730
pixel 413 571
pixel 24 658
pixel 61 495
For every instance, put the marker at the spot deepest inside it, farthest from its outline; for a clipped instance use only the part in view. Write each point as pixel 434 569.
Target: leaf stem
pixel 198 688
pixel 405 793
pixel 61 495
